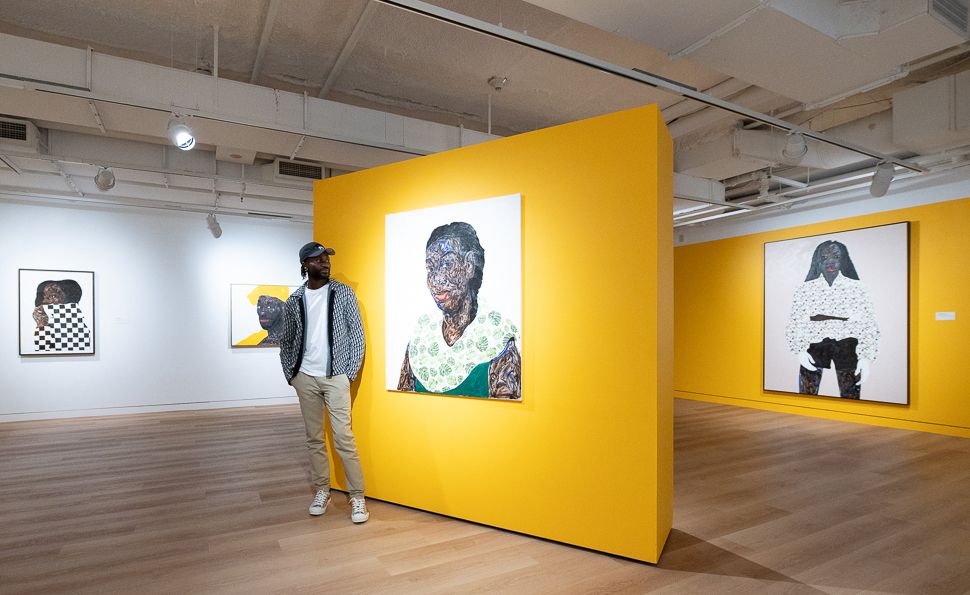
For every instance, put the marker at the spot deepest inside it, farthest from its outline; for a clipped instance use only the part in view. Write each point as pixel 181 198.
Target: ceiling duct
pixel 951 13
pixel 933 116
pixel 19 135
pixel 290 170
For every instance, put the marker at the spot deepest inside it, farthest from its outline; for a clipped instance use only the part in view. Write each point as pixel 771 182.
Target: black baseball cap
pixel 314 249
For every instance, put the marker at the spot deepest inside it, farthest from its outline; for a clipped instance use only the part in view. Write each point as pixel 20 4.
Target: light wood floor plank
pixel 215 502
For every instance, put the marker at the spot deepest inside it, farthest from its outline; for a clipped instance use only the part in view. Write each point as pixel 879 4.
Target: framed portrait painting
pixel 56 312
pixel 837 315
pixel 256 314
pixel 454 299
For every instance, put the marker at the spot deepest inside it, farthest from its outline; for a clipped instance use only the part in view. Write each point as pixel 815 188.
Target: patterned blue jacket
pixel 346 332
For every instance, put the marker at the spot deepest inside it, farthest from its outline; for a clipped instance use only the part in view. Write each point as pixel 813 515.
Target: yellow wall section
pixel 585 458
pixel 719 323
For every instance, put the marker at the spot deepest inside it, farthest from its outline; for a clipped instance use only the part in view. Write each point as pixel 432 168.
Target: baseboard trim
pixel 133 409
pixel 872 420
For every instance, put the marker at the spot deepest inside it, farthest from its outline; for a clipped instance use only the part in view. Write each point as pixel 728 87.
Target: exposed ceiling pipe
pixel 684 107
pixel 934 165
pixel 97 117
pixel 268 22
pixel 215 51
pixel 9 163
pixel 348 48
pixel 706 117
pixel 20 195
pixel 68 179
pixel 449 16
pixel 910 68
pixel 767 145
pixel 167 172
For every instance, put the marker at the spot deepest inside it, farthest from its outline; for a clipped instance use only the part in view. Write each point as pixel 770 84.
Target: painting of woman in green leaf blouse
pixel 470 350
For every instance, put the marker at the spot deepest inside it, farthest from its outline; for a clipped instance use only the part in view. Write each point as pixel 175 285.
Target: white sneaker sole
pixel 322 510
pixel 359 521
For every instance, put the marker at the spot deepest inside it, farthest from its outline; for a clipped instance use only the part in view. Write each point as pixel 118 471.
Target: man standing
pixel 321 349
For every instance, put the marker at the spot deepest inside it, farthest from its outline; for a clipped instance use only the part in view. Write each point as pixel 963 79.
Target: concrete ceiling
pixel 827 64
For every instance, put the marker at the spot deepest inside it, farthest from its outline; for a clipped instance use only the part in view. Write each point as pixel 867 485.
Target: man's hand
pixel 806 361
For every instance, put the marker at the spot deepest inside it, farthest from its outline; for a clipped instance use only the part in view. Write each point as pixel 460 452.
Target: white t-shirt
pixel 316 356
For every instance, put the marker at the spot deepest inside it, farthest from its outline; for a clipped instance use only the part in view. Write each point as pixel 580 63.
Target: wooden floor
pixel 215 502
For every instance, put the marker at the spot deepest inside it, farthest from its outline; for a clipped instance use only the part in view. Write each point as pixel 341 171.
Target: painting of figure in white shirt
pixel 833 323
pixel 836 315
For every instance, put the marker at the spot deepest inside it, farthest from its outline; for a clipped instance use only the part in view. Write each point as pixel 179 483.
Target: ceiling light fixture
pixel 104 179
pixel 881 178
pixel 795 148
pixel 498 82
pixel 180 133
pixel 214 228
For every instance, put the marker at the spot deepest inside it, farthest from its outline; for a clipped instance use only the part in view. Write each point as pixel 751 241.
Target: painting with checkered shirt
pixel 56 312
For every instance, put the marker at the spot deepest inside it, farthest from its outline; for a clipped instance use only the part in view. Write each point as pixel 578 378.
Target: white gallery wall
pixel 161 309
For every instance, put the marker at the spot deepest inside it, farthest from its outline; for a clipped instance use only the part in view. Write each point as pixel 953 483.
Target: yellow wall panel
pixel 719 322
pixel 586 457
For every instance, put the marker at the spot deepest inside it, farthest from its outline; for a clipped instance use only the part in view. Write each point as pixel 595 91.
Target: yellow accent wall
pixel 719 323
pixel 586 457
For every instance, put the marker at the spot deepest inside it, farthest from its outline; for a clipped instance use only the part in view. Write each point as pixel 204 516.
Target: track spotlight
pixel 214 228
pixel 104 179
pixel 881 179
pixel 795 147
pixel 180 133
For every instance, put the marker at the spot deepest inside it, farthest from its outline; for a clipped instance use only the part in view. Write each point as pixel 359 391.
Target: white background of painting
pixel 880 256
pixel 498 222
pixel 29 279
pixel 244 321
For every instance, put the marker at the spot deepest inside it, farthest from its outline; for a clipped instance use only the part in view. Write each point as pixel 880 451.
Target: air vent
pixel 13 130
pixel 300 170
pixel 952 13
pixel 19 136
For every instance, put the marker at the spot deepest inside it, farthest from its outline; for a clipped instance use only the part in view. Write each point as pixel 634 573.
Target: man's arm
pixel 355 334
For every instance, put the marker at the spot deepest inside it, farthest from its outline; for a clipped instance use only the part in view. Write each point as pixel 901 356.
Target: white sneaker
pixel 358 510
pixel 319 504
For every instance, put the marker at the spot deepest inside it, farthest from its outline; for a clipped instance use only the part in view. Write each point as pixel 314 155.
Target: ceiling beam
pixel 466 22
pixel 271 9
pixel 348 48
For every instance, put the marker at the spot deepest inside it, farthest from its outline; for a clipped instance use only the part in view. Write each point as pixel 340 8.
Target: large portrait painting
pixel 837 315
pixel 56 312
pixel 454 299
pixel 256 314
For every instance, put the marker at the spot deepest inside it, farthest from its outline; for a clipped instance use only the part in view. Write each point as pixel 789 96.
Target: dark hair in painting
pixel 471 248
pixel 848 269
pixel 70 287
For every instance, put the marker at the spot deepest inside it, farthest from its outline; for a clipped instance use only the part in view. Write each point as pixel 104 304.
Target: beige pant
pixel 315 393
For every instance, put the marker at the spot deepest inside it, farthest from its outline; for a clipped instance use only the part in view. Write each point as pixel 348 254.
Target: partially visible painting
pixel 454 299
pixel 56 312
pixel 837 315
pixel 256 314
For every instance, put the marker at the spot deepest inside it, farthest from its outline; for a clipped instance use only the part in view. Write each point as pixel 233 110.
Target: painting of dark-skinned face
pixel 454 299
pixel 56 312
pixel 257 314
pixel 836 315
